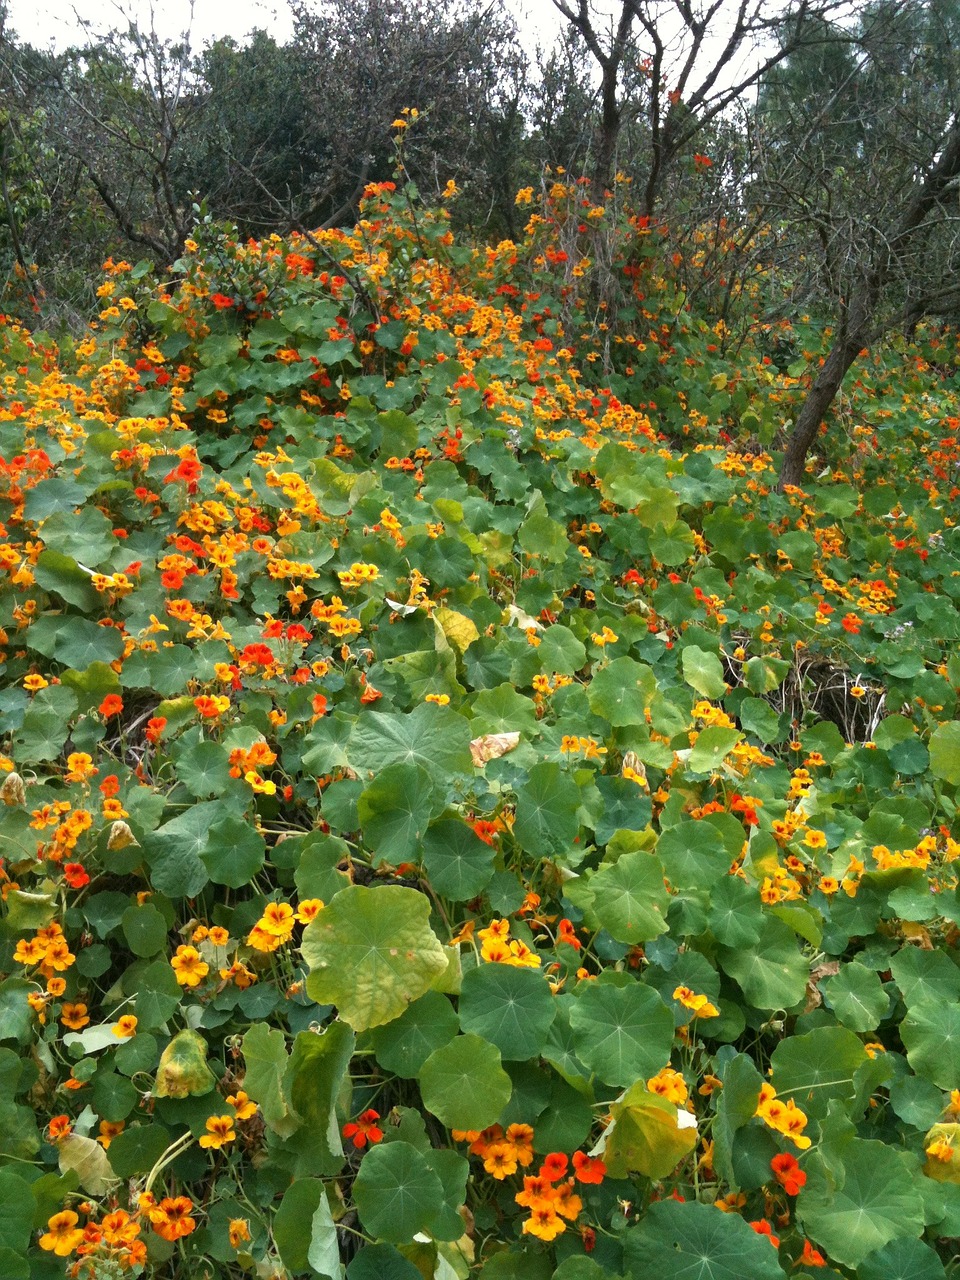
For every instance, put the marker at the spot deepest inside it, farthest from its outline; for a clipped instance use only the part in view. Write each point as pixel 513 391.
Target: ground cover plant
pixel 459 816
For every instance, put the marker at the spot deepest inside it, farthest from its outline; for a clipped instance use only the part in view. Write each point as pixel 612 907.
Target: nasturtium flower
pixel 171 1218
pixel 244 1107
pixel 62 1234
pixel 364 1129
pixel 125 1026
pixel 238 1230
pixel 188 965
pixel 220 1131
pixel 788 1173
pixel 74 1016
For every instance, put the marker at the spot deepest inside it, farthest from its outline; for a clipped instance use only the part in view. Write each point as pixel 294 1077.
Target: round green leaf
pixel 694 1242
pixel 458 862
pixel 902 1260
pixel 463 1084
pixel 856 996
pixel 394 812
pixel 623 1033
pixel 204 769
pixel 772 974
pixel 877 1200
pixel 547 805
pixel 622 691
pixel 234 852
pixel 403 1045
pixel 381 1262
pixel 511 1007
pixel 629 898
pixel 693 855
pixel 945 752
pixel 703 671
pixel 371 952
pixel 145 929
pixel 818 1068
pixel 931 1033
pixel 138 1149
pixel 396 1192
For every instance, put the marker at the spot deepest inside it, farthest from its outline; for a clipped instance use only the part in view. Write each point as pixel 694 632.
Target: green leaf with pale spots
pixel 371 952
pixel 646 1136
pixel 703 671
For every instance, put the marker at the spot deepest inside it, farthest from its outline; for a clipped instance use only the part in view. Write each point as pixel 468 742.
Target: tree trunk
pixel 819 398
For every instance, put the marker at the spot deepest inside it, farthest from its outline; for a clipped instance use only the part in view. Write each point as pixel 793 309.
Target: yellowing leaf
pixel 647 1135
pixel 460 630
pixel 372 952
pixel 183 1069
pixel 89 1161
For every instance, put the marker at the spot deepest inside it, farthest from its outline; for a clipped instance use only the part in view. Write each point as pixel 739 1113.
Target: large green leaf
pixel 403 1045
pixel 234 853
pixel 511 1007
pixel 693 855
pixel 694 1242
pixel 394 812
pixel 703 671
pixel 547 804
pixel 396 1192
pixel 931 1033
pixel 818 1068
pixel 312 1083
pixel 436 738
pixel 945 752
pixel 622 691
pixel 713 745
pixel 902 1260
pixel 371 952
pixel 876 1199
pixel 266 1058
pixel 773 973
pixel 856 996
pixel 458 862
pixel 629 898
pixel 463 1083
pixel 623 1033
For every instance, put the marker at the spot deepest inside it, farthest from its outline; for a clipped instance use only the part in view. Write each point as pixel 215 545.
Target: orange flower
pixel 59 1127
pixel 554 1166
pixel 242 1105
pixel 171 1217
pixel 62 1234
pixel 364 1129
pixel 238 1231
pixel 74 1016
pixel 112 705
pixel 588 1168
pixel 125 1027
pixel 788 1173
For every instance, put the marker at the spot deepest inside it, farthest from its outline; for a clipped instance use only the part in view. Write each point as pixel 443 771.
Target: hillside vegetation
pixel 460 815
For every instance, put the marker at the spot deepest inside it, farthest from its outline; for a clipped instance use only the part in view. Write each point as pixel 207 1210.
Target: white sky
pixel 42 22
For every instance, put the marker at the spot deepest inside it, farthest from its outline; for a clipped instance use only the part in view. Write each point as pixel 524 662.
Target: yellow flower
pixel 188 966
pixel 61 1236
pixel 125 1027
pixel 239 1232
pixel 242 1105
pixel 220 1131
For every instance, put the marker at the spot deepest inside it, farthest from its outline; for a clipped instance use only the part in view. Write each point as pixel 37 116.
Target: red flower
pixel 811 1257
pixel 75 875
pixel 364 1129
pixel 588 1168
pixel 554 1167
pixel 112 705
pixel 155 727
pixel 221 301
pixel 788 1173
pixel 763 1228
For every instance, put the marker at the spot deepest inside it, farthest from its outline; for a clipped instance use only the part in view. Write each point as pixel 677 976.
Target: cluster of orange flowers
pixel 549 1195
pixel 497 946
pixel 275 927
pixel 785 1117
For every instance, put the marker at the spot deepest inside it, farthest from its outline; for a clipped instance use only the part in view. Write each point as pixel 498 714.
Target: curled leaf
pixel 491 746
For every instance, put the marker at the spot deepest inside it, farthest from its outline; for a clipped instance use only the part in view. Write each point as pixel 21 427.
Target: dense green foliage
pixel 458 815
